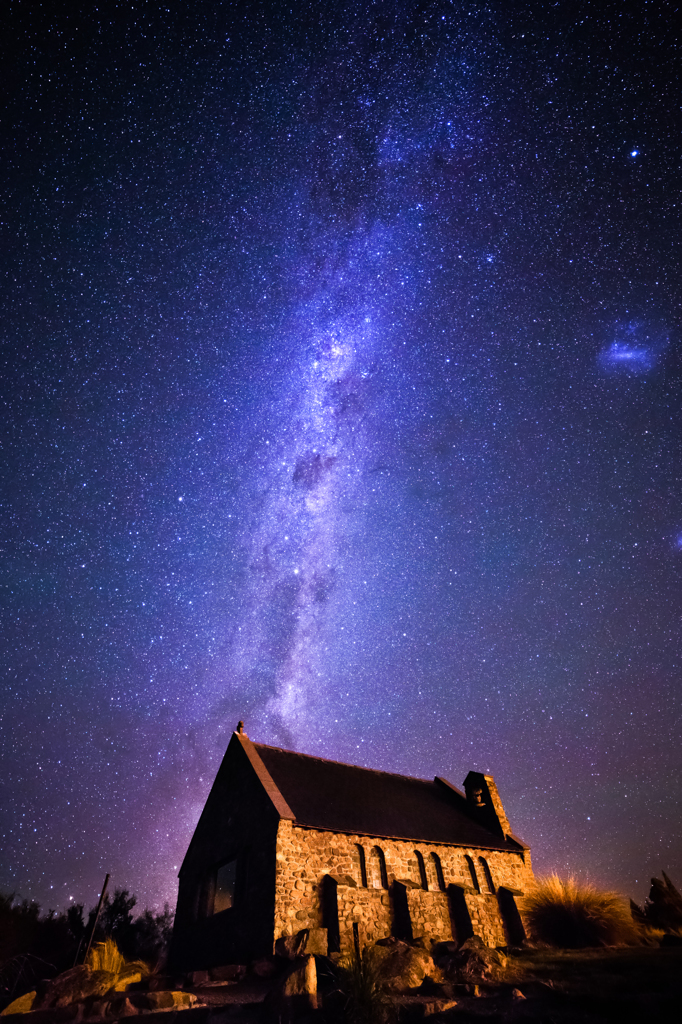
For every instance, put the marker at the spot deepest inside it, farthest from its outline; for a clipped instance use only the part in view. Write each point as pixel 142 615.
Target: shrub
pixel 663 908
pixel 573 915
pixel 105 956
pixel 362 983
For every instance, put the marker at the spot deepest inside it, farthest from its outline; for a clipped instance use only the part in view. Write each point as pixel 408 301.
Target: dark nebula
pixel 341 393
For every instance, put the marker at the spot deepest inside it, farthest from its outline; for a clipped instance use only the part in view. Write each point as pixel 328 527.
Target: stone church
pixel 288 842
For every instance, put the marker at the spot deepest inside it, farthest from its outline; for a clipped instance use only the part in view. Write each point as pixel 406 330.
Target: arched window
pixel 486 874
pixel 437 870
pixel 360 865
pixel 472 872
pixel 421 870
pixel 378 878
pixel 224 887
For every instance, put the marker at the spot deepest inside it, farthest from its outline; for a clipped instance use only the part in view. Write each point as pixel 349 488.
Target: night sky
pixel 341 382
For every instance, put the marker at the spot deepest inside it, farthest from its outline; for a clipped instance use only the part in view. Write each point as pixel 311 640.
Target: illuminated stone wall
pixel 304 856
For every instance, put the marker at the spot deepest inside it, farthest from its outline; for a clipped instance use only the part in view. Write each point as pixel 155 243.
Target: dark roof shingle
pixel 346 798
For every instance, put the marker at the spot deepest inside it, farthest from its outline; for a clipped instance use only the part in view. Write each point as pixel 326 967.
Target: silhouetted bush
pixel 34 947
pixel 31 947
pixel 663 908
pixel 574 915
pixel 153 934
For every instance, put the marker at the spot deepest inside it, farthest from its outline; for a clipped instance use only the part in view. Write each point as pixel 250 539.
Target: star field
pixel 341 393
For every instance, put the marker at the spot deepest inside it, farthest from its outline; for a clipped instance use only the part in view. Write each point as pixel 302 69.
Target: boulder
pixel 21 1005
pixel 307 942
pixel 404 966
pixel 412 1009
pixel 294 994
pixel 439 989
pixel 73 986
pixel 159 1000
pixel 473 961
pixel 167 1000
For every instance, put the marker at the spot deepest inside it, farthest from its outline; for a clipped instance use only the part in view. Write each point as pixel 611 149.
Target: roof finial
pixel 240 728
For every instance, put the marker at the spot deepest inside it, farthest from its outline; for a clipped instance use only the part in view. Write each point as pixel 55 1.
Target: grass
pixel 616 984
pixel 362 983
pixel 106 956
pixel 569 914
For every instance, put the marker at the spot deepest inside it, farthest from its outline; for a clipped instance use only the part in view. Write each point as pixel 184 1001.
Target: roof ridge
pixel 344 764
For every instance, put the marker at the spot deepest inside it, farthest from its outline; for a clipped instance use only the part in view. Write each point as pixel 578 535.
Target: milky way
pixel 341 384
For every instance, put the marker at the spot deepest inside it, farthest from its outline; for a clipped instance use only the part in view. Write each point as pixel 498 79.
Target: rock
pixel 229 972
pixel 51 989
pixel 440 989
pixel 309 941
pixel 517 994
pixel 166 1000
pixel 294 994
pixel 473 961
pixel 416 1008
pixel 73 987
pixel 405 966
pixel 159 1000
pixel 124 1008
pixel 21 1005
pixel 317 944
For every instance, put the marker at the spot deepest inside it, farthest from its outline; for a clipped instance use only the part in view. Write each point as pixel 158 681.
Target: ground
pixel 626 985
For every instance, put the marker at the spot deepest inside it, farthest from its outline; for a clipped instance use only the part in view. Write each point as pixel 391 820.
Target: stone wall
pixel 305 855
pixel 486 919
pixel 429 914
pixel 369 910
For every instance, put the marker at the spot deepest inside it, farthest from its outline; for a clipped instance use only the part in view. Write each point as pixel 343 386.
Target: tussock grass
pixel 106 956
pixel 569 914
pixel 363 984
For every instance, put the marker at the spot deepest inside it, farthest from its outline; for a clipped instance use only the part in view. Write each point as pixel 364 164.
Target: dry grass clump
pixel 570 914
pixel 363 984
pixel 105 956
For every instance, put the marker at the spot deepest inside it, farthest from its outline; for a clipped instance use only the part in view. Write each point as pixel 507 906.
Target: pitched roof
pixel 345 798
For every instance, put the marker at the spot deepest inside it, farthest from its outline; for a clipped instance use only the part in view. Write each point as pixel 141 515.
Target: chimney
pixel 485 804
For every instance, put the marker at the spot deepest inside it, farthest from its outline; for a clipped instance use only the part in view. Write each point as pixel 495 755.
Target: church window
pixel 421 870
pixel 472 872
pixel 437 870
pixel 225 886
pixel 361 865
pixel 486 874
pixel 377 868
